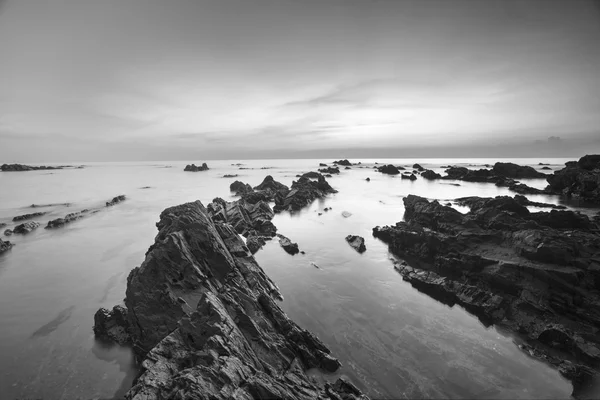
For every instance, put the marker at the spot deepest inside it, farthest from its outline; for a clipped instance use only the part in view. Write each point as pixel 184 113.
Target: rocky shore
pixel 194 168
pixel 204 322
pixel 536 273
pixel 22 168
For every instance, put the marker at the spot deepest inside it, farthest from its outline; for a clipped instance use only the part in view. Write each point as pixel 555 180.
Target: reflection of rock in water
pixel 51 326
pixel 112 281
pixel 123 357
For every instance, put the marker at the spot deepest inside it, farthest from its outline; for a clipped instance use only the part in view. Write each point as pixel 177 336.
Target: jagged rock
pixel 26 227
pixel 345 163
pixel 330 170
pixel 287 245
pixel 230 176
pixel 430 175
pixel 194 168
pixel 115 200
pixel 412 177
pixel 388 169
pixel 21 168
pixel 5 245
pixel 245 217
pixel 418 167
pixel 357 243
pixel 511 170
pixel 255 242
pixel 271 186
pixel 112 325
pixel 302 193
pixel 580 180
pixel 28 216
pixel 240 188
pixel 509 266
pixel 59 222
pixel 205 324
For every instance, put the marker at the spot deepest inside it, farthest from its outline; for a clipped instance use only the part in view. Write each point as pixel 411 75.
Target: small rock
pixel 346 214
pixel 357 243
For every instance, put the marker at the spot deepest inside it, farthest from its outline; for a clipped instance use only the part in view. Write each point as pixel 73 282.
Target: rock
pixel 490 176
pixel 511 170
pixel 345 163
pixel 5 245
pixel 330 170
pixel 146 187
pixel 28 216
pixel 230 176
pixel 579 180
pixel 254 242
pixel 418 167
pixel 524 270
pixel 271 186
pixel 302 193
pixel 322 165
pixel 388 169
pixel 26 227
pixel 194 168
pixel 21 168
pixel 240 188
pixel 546 168
pixel 430 175
pixel 50 205
pixel 357 243
pixel 412 177
pixel 59 222
pixel 205 324
pixel 368 179
pixel 245 217
pixel 2 224
pixel 112 326
pixel 348 168
pixel 346 214
pixel 115 200
pixel 288 246
pixel 8 232
pixel 526 202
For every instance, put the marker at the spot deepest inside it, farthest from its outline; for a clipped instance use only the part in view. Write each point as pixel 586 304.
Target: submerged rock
pixel 357 243
pixel 287 245
pixel 523 270
pixel 115 200
pixel 204 322
pixel 28 216
pixel 59 222
pixel 5 245
pixel 26 227
pixel 194 168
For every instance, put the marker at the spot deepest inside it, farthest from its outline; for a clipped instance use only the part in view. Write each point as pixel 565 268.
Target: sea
pixel 393 341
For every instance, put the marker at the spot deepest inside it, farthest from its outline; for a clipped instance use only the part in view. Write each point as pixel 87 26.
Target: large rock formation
pixel 511 170
pixel 330 170
pixel 205 324
pixel 580 180
pixel 194 168
pixel 5 245
pixel 388 169
pixel 28 216
pixel 21 168
pixel 59 222
pixel 344 162
pixel 302 193
pixel 25 227
pixel 535 273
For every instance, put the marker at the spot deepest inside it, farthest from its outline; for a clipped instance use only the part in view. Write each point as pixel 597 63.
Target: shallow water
pixel 393 341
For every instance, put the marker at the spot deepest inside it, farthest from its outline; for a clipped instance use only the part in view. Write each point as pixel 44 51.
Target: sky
pixel 117 80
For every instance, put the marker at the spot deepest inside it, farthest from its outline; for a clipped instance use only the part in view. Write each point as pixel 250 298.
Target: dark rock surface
pixel 579 180
pixel 534 273
pixel 5 245
pixel 21 168
pixel 245 217
pixel 490 176
pixel 230 176
pixel 112 325
pixel 240 188
pixel 302 193
pixel 288 245
pixel 194 168
pixel 511 170
pixel 28 216
pixel 409 176
pixel 418 167
pixel 204 321
pixel 368 179
pixel 430 175
pixel 8 232
pixel 330 170
pixel 345 163
pixel 115 200
pixel 26 227
pixel 357 243
pixel 546 168
pixel 388 169
pixel 59 222
pixel 271 186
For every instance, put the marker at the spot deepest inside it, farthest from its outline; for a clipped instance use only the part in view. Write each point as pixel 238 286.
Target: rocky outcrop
pixel 418 167
pixel 271 186
pixel 411 177
pixel 244 217
pixel 511 170
pixel 490 176
pixel 194 168
pixel 430 175
pixel 330 170
pixel 21 168
pixel 302 193
pixel 345 163
pixel 388 169
pixel 5 245
pixel 25 228
pixel 59 222
pixel 579 180
pixel 112 325
pixel 357 243
pixel 115 200
pixel 240 188
pixel 289 246
pixel 518 203
pixel 204 322
pixel 28 216
pixel 534 273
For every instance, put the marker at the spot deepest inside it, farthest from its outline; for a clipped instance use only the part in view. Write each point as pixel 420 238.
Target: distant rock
pixel 287 245
pixel 322 165
pixel 418 167
pixel 59 222
pixel 230 176
pixel 357 243
pixel 194 168
pixel 50 205
pixel 345 163
pixel 346 214
pixel 115 200
pixel 271 186
pixel 388 169
pixel 330 170
pixel 546 168
pixel 26 227
pixel 348 168
pixel 430 175
pixel 146 187
pixel 511 170
pixel 5 245
pixel 22 168
pixel 240 188
pixel 368 179
pixel 28 216
pixel 412 177
pixel 8 232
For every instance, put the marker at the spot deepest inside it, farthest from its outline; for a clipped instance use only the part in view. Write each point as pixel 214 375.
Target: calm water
pixel 393 341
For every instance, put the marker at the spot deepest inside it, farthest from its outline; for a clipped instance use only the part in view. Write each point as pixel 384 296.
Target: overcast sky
pixel 165 80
